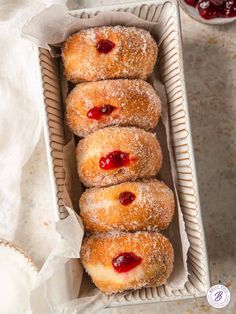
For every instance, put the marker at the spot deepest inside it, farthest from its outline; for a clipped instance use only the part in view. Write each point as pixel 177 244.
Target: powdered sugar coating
pixel 155 250
pixel 136 104
pixel 152 209
pixel 143 148
pixel 133 56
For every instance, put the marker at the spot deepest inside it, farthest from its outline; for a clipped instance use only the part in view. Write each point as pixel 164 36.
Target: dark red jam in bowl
pixel 115 159
pixel 210 9
pixel 96 113
pixel 126 198
pixel 193 3
pixel 105 46
pixel 125 262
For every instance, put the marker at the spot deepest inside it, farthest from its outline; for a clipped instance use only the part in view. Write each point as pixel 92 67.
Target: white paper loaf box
pixel 171 74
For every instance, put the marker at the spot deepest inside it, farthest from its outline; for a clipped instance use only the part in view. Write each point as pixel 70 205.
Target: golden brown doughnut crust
pixel 156 251
pixel 133 56
pixel 144 154
pixel 136 103
pixel 152 209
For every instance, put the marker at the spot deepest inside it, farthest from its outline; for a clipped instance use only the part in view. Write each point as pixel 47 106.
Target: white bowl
pixel 17 277
pixel 193 12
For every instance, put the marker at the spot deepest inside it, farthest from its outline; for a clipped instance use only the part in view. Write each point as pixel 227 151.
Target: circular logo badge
pixel 218 296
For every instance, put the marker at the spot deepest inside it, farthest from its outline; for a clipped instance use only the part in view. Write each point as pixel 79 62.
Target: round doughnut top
pixel 95 105
pixel 129 206
pixel 117 154
pixel 152 249
pixel 108 52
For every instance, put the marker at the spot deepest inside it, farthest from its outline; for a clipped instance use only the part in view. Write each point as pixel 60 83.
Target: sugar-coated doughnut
pixel 129 206
pixel 95 105
pixel 117 154
pixel 109 52
pixel 121 261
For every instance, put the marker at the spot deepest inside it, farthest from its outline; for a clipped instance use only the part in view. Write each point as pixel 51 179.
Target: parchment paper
pixel 62 287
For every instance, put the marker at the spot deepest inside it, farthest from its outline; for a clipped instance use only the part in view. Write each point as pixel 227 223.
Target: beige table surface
pixel 210 69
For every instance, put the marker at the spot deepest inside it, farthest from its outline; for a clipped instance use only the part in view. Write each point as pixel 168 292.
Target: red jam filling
pixel 105 46
pixel 125 262
pixel 209 9
pixel 107 109
pixel 97 112
pixel 126 198
pixel 115 159
pixel 94 113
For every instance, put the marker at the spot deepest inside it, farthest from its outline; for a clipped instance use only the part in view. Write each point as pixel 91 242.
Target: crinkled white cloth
pixel 20 99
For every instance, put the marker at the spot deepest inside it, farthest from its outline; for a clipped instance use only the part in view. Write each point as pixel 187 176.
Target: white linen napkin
pixel 21 98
